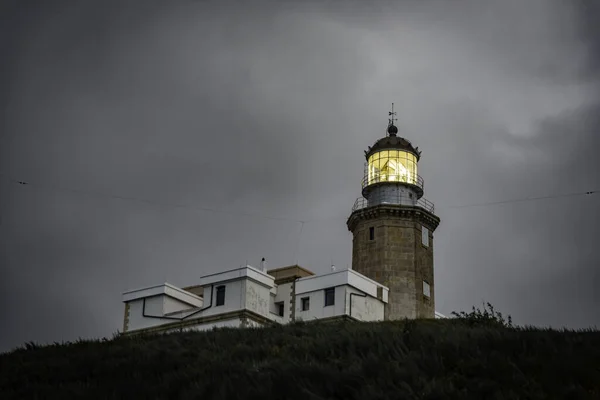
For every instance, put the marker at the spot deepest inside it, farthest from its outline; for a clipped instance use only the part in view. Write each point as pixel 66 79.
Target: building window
pixel 220 295
pixel 425 236
pixel 305 303
pixel 329 297
pixel 372 233
pixel 426 289
pixel 280 307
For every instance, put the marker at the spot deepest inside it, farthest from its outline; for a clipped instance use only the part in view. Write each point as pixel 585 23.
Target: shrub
pixel 487 317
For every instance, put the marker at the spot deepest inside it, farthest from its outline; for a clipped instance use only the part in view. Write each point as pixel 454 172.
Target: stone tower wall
pixel 396 257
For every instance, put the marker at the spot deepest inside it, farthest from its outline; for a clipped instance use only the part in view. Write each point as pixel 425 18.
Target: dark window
pixel 220 295
pixel 371 233
pixel 329 297
pixel 305 303
pixel 280 308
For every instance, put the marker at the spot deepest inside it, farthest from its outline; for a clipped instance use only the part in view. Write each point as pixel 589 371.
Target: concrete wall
pixel 344 282
pixel 391 193
pixel 171 305
pixel 363 308
pixel 230 323
pixel 163 289
pixel 234 297
pixel 154 306
pixel 317 308
pixel 240 293
pixel 284 294
pixel 367 285
pixel 257 298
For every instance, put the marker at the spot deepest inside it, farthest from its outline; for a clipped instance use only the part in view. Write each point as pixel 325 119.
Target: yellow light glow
pixel 392 166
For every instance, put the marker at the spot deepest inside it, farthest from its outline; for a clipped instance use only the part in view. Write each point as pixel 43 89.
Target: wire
pixel 305 221
pixel 588 193
pixel 145 201
pixel 527 199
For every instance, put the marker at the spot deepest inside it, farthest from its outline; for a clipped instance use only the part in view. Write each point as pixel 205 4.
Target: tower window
pixel 425 236
pixel 426 289
pixel 372 233
pixel 220 295
pixel 280 308
pixel 305 303
pixel 329 297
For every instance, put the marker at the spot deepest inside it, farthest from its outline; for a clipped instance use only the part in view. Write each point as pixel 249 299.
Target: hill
pixel 461 358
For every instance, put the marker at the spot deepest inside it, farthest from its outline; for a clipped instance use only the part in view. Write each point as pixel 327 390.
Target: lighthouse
pixel 392 226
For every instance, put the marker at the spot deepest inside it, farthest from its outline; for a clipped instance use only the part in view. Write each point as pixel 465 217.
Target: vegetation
pixel 487 317
pixel 476 355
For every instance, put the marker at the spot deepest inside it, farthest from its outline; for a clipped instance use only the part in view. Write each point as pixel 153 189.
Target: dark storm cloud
pixel 267 110
pixel 590 32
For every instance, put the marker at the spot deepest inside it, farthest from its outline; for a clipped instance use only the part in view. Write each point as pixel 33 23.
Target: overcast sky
pixel 239 113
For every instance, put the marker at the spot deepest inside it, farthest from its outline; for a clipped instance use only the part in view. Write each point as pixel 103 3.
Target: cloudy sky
pixel 162 140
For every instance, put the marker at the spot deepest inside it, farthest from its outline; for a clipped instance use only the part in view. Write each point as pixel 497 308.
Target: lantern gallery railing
pixel 370 179
pixel 401 199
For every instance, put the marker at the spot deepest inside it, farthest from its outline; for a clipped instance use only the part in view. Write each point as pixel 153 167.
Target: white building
pixel 249 297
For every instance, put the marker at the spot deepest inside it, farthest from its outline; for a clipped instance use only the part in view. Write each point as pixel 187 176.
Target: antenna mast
pixel 392 114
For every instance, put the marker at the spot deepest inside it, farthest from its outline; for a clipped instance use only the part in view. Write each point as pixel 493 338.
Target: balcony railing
pixel 415 180
pixel 401 199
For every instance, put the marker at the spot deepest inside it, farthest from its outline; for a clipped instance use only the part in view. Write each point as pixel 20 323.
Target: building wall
pixel 171 305
pixel 284 294
pixel 240 294
pixel 154 306
pixel 396 258
pixel 231 323
pixel 317 308
pixel 252 324
pixel 392 193
pixel 363 308
pixel 225 323
pixel 367 285
pixel 234 297
pixel 257 298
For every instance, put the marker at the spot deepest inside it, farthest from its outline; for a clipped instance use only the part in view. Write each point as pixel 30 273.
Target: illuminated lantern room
pixel 391 171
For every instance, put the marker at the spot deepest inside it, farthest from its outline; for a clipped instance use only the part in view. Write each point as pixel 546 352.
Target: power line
pixel 588 193
pixel 302 222
pixel 527 199
pixel 145 201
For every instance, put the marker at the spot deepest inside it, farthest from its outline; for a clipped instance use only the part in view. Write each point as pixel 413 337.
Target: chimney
pixel 263 265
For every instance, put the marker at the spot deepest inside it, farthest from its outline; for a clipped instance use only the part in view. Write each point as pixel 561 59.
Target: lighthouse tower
pixel 392 226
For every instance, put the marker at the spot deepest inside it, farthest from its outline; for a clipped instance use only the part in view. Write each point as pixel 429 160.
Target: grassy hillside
pixel 464 358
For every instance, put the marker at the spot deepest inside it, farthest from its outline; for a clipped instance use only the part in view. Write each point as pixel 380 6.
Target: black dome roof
pixel 393 142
